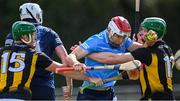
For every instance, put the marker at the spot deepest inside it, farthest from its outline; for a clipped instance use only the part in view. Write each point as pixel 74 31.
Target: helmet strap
pixel 30 39
pixel 31 15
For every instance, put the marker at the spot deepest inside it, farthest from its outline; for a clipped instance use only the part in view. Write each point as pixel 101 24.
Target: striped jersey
pixel 156 76
pixel 18 65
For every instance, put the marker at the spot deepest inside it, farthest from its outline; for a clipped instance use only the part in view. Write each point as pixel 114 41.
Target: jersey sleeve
pixel 128 43
pixel 89 45
pixel 142 54
pixel 43 60
pixel 56 41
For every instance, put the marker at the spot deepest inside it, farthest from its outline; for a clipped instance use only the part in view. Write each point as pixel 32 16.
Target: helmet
pixel 20 28
pixel 120 26
pixel 31 11
pixel 156 24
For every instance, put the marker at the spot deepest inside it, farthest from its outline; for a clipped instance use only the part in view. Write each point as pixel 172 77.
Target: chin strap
pixel 30 39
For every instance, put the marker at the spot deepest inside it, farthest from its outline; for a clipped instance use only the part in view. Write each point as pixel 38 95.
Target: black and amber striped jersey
pixel 18 64
pixel 156 76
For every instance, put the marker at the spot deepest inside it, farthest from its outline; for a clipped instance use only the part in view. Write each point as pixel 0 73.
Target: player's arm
pixel 45 62
pixel 134 46
pixel 73 74
pixel 62 54
pixel 87 47
pixel 75 55
pixel 111 58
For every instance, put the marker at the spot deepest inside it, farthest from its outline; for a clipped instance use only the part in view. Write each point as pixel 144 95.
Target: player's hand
pixel 151 36
pixel 79 67
pixel 96 81
pixel 74 46
pixel 133 74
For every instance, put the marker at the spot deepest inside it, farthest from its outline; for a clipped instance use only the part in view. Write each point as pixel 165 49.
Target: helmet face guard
pixel 116 45
pixel 121 27
pixel 156 24
pixel 21 28
pixel 31 11
pixel 116 30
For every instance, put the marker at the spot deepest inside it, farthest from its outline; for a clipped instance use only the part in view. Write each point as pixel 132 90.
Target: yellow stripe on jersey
pixel 170 84
pixel 143 82
pixel 3 75
pixel 17 76
pixel 3 81
pixel 153 75
pixel 153 78
pixel 33 66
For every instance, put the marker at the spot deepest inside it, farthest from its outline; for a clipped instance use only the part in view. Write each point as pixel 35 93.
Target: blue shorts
pixel 89 94
pixel 42 92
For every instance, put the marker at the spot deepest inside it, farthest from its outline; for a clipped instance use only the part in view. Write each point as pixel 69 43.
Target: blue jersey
pixel 100 43
pixel 47 41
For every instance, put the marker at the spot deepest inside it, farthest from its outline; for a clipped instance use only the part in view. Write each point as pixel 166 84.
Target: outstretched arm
pixel 74 56
pixel 62 54
pixel 73 74
pixel 111 58
pixel 135 46
pixel 79 53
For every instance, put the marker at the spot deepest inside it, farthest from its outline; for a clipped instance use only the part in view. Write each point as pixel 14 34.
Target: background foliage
pixel 76 20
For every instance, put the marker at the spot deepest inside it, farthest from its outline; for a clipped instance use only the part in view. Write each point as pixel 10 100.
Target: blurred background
pixel 76 20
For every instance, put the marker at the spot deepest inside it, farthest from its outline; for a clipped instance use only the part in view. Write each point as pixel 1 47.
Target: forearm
pixel 103 57
pixel 75 75
pixel 75 55
pixel 71 74
pixel 135 46
pixel 111 58
pixel 71 59
pixel 62 53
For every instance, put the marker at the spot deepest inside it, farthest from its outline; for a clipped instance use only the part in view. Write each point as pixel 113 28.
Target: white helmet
pixel 120 26
pixel 32 11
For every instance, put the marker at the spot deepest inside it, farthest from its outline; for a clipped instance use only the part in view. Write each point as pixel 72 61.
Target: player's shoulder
pixel 45 30
pixel 94 39
pixel 41 28
pixel 9 35
pixel 99 36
